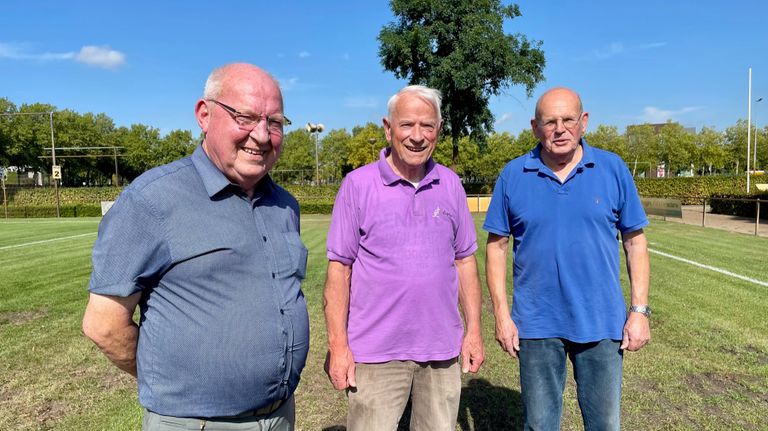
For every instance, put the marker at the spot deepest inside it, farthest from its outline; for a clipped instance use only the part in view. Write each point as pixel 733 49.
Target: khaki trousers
pixel 383 389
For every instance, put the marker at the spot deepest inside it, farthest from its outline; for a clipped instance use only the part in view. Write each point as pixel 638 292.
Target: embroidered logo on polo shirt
pixel 436 213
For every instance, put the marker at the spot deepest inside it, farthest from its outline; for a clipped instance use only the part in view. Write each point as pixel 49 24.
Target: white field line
pixel 46 241
pixel 711 268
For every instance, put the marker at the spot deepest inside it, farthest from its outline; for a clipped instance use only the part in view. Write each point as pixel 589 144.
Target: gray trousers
pixel 282 419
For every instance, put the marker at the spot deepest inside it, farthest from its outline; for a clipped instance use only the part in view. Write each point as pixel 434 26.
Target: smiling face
pixel 559 124
pixel 243 156
pixel 412 129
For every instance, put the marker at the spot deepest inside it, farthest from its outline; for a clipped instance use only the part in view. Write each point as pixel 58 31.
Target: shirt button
pixel 282 311
pixel 273 275
pixel 264 238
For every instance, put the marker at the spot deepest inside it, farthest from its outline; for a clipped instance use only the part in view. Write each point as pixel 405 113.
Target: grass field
pixel 706 367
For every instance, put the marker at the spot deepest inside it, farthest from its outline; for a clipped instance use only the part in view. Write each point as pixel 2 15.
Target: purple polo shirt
pixel 402 243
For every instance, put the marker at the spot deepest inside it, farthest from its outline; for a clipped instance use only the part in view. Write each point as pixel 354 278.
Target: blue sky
pixel 146 62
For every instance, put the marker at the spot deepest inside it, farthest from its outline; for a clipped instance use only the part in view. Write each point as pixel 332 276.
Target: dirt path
pixel 692 214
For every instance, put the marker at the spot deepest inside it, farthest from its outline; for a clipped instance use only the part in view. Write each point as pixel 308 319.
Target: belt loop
pixel 202 424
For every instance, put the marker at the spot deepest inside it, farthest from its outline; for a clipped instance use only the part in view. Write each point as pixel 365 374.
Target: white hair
pixel 429 95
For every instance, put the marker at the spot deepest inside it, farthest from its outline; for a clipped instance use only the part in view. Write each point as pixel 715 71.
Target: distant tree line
pixel 25 141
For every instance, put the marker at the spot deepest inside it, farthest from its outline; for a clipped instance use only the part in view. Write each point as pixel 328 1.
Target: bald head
pixel 228 75
pixel 558 95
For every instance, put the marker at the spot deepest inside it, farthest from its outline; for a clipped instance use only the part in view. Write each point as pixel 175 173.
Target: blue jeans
pixel 596 369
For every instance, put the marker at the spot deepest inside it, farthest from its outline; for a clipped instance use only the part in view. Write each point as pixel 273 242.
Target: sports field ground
pixel 706 367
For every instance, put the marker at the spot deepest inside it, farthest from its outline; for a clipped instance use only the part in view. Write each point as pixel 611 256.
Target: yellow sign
pixel 56 172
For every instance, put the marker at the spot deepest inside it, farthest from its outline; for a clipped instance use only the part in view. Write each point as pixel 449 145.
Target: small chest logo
pixel 436 213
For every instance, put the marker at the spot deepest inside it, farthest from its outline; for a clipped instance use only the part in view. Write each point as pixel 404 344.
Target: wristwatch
pixel 645 310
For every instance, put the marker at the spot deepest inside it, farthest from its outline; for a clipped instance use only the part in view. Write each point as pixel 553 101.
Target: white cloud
pixel 361 102
pixel 100 56
pixel 287 84
pixel 304 54
pixel 504 118
pixel 611 50
pixel 614 49
pixel 652 114
pixel 96 56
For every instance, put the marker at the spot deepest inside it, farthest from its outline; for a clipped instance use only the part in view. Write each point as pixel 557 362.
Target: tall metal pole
pixel 316 129
pixel 754 160
pixel 749 124
pixel 53 161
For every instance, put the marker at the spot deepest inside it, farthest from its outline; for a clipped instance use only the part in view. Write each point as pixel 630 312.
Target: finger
pixel 625 340
pixel 351 376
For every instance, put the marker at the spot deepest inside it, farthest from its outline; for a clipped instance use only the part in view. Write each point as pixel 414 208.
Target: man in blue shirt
pixel 208 248
pixel 565 203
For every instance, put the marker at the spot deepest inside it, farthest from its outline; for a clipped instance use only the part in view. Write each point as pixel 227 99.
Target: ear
pixel 202 114
pixel 535 129
pixel 584 121
pixel 387 129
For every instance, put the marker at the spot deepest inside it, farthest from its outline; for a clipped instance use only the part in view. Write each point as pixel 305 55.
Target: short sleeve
pixel 344 231
pixel 497 217
pixel 465 239
pixel 631 214
pixel 130 251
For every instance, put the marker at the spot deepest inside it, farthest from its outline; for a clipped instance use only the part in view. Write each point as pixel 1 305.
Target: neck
pixel 406 172
pixel 562 165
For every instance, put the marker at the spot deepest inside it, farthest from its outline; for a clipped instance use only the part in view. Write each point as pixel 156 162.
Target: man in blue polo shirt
pixel 564 204
pixel 208 248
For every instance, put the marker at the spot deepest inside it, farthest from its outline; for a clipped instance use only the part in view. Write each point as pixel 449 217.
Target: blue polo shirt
pixel 566 254
pixel 224 326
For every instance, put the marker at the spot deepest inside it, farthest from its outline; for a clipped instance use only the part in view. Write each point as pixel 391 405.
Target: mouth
pixel 415 149
pixel 254 151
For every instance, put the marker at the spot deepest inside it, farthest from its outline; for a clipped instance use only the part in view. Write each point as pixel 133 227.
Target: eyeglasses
pixel 275 123
pixel 568 123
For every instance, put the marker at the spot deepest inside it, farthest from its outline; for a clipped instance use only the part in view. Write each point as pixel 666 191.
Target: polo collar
pixel 389 177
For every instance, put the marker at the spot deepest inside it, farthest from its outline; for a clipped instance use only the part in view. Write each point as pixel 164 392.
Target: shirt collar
pixel 215 181
pixel 534 162
pixel 389 177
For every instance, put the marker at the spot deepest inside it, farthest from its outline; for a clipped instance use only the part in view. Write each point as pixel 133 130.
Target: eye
pixel 246 120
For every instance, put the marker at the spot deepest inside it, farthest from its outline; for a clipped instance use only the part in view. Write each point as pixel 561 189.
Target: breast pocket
pixel 297 252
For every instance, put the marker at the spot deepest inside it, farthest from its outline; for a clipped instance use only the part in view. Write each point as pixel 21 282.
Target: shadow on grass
pixel 483 407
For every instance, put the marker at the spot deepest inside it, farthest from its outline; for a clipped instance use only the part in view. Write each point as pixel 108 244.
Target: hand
pixel 507 335
pixel 472 352
pixel 637 332
pixel 340 369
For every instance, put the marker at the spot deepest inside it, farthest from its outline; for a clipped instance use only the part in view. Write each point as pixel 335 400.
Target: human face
pixel 412 130
pixel 559 124
pixel 244 156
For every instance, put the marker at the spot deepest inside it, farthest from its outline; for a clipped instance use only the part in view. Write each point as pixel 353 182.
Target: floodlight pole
pixel 316 129
pixel 749 124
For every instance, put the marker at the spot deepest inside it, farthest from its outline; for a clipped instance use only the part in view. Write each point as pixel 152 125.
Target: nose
pixel 260 133
pixel 560 125
pixel 417 135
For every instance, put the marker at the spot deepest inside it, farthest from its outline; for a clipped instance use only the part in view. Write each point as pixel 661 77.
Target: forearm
pixel 108 322
pixel 496 273
pixel 470 298
pixel 336 305
pixel 638 267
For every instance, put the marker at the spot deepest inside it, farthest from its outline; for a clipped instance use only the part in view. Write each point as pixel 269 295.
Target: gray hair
pixel 429 95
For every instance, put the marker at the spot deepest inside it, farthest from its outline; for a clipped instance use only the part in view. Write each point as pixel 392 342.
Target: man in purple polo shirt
pixel 401 258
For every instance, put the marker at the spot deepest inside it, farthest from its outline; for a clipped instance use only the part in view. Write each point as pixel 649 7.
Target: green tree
pixel 713 155
pixel 678 147
pixel 173 146
pixel 334 152
pixel 460 48
pixel 365 144
pixel 297 162
pixel 608 138
pixel 642 148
